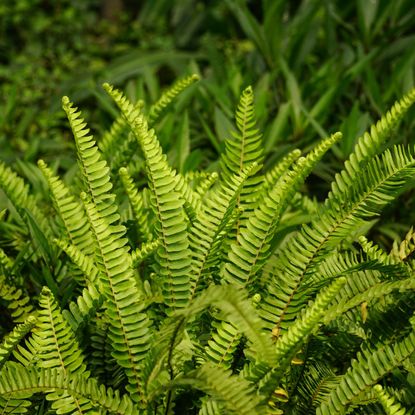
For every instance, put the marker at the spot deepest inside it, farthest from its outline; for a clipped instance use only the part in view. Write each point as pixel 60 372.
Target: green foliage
pixel 207 292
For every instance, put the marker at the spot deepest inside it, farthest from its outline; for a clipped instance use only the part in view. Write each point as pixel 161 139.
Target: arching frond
pixel 18 381
pixel 13 338
pixel 389 403
pixel 83 261
pixel 18 193
pixel 140 254
pixel 369 367
pixel 70 211
pixel 16 300
pixel 84 308
pixel 369 144
pixel 382 179
pixel 168 96
pixel 223 344
pixel 95 172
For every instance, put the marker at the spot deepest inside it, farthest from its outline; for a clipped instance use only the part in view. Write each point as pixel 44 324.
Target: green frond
pixel 235 394
pixel 57 344
pixel 95 172
pixel 249 253
pixel 102 363
pixel 223 343
pixel 206 234
pixel 84 262
pixel 289 342
pixel 376 253
pixel 115 137
pixel 17 381
pixel 147 249
pixel 237 309
pixel 348 299
pixel 271 177
pixel 136 202
pixel 17 302
pixel 210 407
pixel 129 332
pixel 173 256
pixel 205 183
pixel 382 179
pixel 389 403
pixel 17 191
pixel 241 151
pixel 317 380
pixel 70 211
pixel 369 144
pixel 6 263
pixel 168 96
pixel 369 367
pixel 84 308
pixel 13 338
pixel 57 347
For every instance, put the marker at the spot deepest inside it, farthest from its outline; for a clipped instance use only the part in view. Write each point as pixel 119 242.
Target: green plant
pixel 206 292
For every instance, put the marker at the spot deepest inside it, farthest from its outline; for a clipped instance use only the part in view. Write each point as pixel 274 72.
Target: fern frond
pixel 70 211
pixel 114 138
pixel 390 405
pixel 124 302
pixel 168 96
pixel 206 233
pixel 58 347
pixel 376 253
pixel 317 380
pixel 84 308
pixel 249 253
pixel 245 148
pixel 6 263
pixel 13 338
pixel 369 144
pixel 18 193
pixel 95 172
pixel 369 367
pixel 223 344
pixel 173 256
pixel 232 392
pixel 210 407
pixel 136 201
pixel 84 262
pixel 272 176
pixel 288 343
pixel 147 249
pixel 16 301
pixel 20 381
pixel 383 179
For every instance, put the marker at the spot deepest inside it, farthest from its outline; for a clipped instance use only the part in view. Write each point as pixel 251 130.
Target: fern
pixel 388 402
pixel 368 369
pixel 248 255
pixel 235 284
pixel 173 256
pixel 14 338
